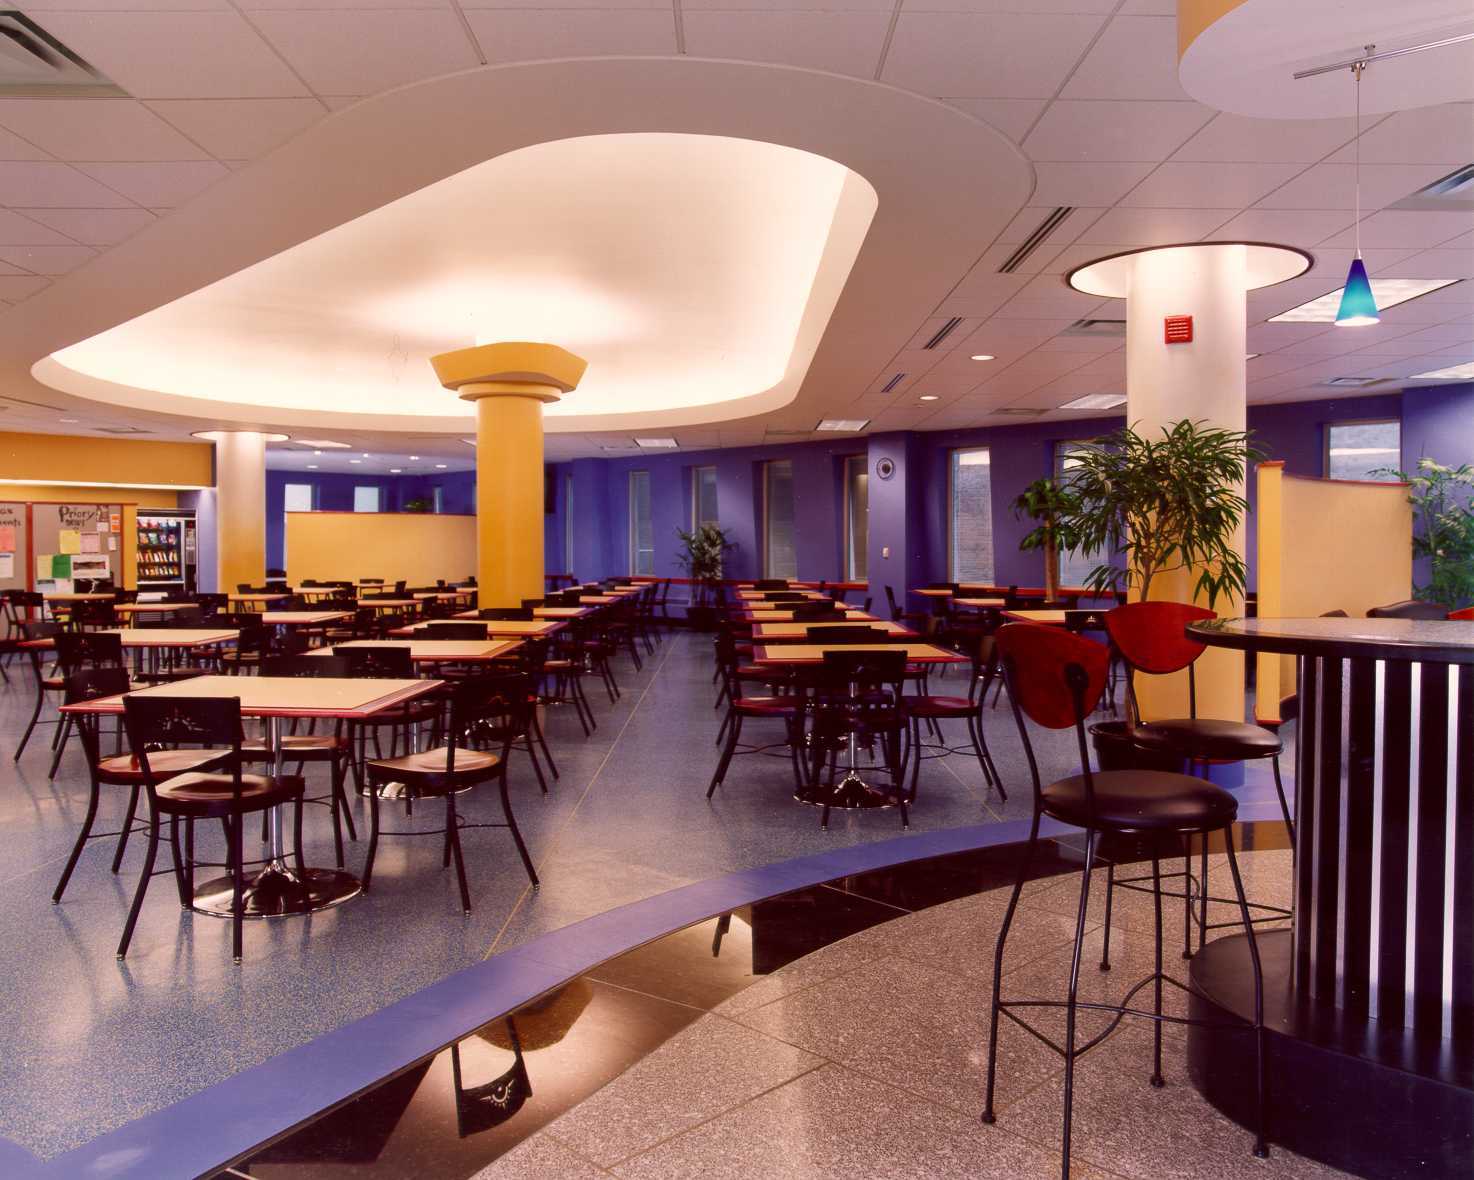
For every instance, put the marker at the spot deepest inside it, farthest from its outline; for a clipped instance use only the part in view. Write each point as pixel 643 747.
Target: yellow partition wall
pixel 415 547
pixel 1325 544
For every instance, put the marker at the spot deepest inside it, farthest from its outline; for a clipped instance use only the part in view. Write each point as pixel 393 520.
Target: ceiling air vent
pixel 34 64
pixel 1019 412
pixel 787 433
pixel 943 332
pixel 1450 193
pixel 123 430
pixel 1353 382
pixel 893 382
pixel 1096 328
pixel 1035 239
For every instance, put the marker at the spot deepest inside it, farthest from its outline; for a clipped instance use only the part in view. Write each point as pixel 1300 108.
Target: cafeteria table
pixel 1048 618
pixel 498 628
pixel 265 599
pixel 279 889
pixel 538 612
pixel 979 603
pixel 128 609
pixel 848 614
pixel 302 618
pixel 389 603
pixel 801 629
pixel 762 595
pixel 436 651
pixel 93 596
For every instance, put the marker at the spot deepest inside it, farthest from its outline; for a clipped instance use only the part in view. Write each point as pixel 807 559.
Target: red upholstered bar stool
pixel 1056 679
pixel 1152 640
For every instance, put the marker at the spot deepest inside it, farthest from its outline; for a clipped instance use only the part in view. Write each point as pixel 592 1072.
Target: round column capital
pixel 543 372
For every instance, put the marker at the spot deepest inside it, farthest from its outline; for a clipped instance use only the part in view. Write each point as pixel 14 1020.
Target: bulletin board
pixel 75 541
pixel 13 545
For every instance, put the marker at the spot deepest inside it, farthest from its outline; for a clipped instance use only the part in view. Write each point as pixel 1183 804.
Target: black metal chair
pixel 484 710
pixel 1055 679
pixel 508 613
pixel 856 699
pixel 1410 608
pixel 457 630
pixel 933 709
pixel 785 707
pixel 158 727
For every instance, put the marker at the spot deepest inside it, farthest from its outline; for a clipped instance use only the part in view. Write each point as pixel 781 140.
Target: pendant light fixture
pixel 1358 304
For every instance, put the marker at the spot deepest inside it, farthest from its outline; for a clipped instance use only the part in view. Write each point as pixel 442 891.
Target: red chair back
pixel 1038 661
pixel 1467 614
pixel 1152 636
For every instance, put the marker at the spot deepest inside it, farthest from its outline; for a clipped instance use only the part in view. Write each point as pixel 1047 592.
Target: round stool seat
pixel 1205 737
pixel 1141 801
pixel 940 707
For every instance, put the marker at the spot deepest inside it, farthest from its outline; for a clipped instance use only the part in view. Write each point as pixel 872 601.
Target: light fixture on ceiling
pixel 395 470
pixel 412 458
pixel 441 466
pixel 365 455
pixel 312 467
pixel 1464 372
pixel 355 460
pixel 1358 306
pixel 984 356
pixel 845 424
pixel 67 420
pixel 1096 401
pixel 1388 292
pixel 325 444
pixel 928 397
pixel 1251 356
pixel 317 452
pixel 657 444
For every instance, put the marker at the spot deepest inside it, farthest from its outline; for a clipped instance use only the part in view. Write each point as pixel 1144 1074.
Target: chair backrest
pixel 895 607
pixel 492 705
pixel 40 629
pixel 399 587
pixel 858 633
pixel 770 584
pixel 816 610
pixel 378 662
pixel 1085 620
pixel 785 596
pixel 523 613
pixel 528 604
pixel 1152 636
pixel 76 650
pixel 1462 615
pixel 95 614
pixel 873 677
pixel 455 630
pixel 155 722
pixel 1054 678
pixel 335 666
pixel 212 604
pixel 1410 608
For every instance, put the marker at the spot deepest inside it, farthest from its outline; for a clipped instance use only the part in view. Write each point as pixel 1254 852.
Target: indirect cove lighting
pixel 846 424
pixel 1464 372
pixel 657 444
pixel 1385 292
pixel 1096 401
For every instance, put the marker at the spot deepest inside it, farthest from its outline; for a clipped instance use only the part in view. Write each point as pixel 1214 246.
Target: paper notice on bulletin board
pixel 115 522
pixel 61 565
pixel 91 543
pixel 102 526
pixel 43 565
pixel 112 544
pixel 69 541
pixel 7 538
pixel 7 565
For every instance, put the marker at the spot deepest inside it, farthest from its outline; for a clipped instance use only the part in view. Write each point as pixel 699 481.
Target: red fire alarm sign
pixel 1178 329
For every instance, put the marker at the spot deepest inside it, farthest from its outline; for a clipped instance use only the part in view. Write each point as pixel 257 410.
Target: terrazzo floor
pixel 867 1058
pixel 87 1043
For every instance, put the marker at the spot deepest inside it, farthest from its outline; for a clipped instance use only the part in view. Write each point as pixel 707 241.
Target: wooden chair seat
pixel 209 795
pixel 425 771
pixel 123 769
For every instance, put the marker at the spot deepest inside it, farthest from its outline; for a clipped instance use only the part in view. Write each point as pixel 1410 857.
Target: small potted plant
pixel 1049 504
pixel 416 505
pixel 701 555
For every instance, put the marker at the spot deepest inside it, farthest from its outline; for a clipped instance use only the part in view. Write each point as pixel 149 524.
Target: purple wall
pixel 1437 422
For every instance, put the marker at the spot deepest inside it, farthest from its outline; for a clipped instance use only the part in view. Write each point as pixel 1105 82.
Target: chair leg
pixel 184 897
pixel 1070 1008
pixel 727 751
pixel 985 755
pixel 536 765
pixel 1018 888
pixel 1261 1143
pixel 127 828
pixel 516 834
pixel 373 841
pixel 1105 949
pixel 143 879
pixel 542 742
pixel 336 804
pixel 63 732
pixel 1279 789
pixel 35 716
pixel 66 873
pixel 1187 897
pixel 238 886
pixel 455 845
pixel 297 838
pixel 1156 1078
pixel 1204 892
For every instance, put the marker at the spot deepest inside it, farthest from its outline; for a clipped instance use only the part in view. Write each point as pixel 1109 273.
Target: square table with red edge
pixel 801 628
pixel 762 595
pixel 1048 618
pixel 96 596
pixel 978 603
pixel 152 608
pixel 302 618
pixel 498 628
pixel 436 651
pixel 266 598
pixel 279 889
pixel 851 614
pixel 389 603
pixel 156 637
pixel 813 653
pixel 538 612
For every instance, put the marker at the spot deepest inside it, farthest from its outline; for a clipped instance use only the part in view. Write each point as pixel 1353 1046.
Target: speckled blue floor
pixel 87 1043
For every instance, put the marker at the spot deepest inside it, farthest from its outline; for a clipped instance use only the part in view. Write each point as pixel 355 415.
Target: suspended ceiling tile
pixel 1333 186
pixel 1398 227
pixel 986 55
pixel 1239 139
pixel 1429 135
pixel 1012 116
pixel 1136 57
pixel 364 52
pixel 18 230
pixel 15 288
pixel 1085 184
pixel 177 54
pixel 91 227
pixel 1112 130
pixel 96 129
pixel 53 186
pixel 239 129
pixel 526 34
pixel 46 260
pixel 13 147
pixel 1127 227
pixel 839 42
pixel 1199 185
pixel 158 186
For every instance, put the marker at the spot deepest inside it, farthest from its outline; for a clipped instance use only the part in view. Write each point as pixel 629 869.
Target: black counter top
pixel 1437 641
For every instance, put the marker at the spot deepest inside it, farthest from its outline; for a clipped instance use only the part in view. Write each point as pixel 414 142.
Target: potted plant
pixel 417 505
pixel 1443 507
pixel 1161 504
pixel 702 551
pixel 1048 503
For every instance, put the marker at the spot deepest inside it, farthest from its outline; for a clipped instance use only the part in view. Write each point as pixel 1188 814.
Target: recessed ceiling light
pixel 1096 401
pixel 441 466
pixel 983 356
pixel 928 397
pixel 317 452
pixel 846 424
pixel 365 455
pixel 355 460
pixel 1463 372
pixel 326 444
pixel 1388 293
pixel 66 419
pixel 312 467
pixel 395 470
pixel 413 458
pixel 657 444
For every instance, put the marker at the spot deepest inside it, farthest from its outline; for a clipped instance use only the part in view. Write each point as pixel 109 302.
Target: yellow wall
pixel 415 547
pixel 61 494
pixel 42 457
pixel 1326 544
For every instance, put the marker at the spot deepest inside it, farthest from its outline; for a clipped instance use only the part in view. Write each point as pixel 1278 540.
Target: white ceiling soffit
pixel 1246 59
pixel 324 291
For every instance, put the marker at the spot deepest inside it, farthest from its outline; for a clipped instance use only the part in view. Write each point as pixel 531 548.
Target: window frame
pixel 1326 444
pixel 378 497
pixel 1058 474
pixel 851 574
pixel 568 522
pixel 311 497
pixel 696 523
pixel 768 465
pixel 634 549
pixel 952 465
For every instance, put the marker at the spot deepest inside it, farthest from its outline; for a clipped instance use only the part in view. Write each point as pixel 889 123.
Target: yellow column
pixel 509 384
pixel 240 507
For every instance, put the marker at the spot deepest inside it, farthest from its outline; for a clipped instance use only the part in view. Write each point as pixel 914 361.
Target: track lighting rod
pixel 1369 57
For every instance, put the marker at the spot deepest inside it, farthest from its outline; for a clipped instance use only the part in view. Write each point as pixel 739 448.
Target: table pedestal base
pixel 849 793
pixel 278 891
pixel 1375 1101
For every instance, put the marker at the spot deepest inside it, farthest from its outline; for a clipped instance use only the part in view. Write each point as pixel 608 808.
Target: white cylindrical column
pixel 240 507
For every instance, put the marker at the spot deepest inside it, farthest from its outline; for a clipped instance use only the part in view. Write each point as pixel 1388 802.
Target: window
pixel 856 516
pixel 298 497
pixel 1363 450
pixel 439 500
pixel 642 529
pixel 703 497
pixel 1074 567
pixel 780 558
pixel 971 531
pixel 568 522
pixel 365 499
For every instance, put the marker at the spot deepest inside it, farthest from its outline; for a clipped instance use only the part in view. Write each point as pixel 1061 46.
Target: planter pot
pixel 1114 750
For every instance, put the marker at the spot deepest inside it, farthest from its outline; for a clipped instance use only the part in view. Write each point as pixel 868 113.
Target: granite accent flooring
pixel 88 1043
